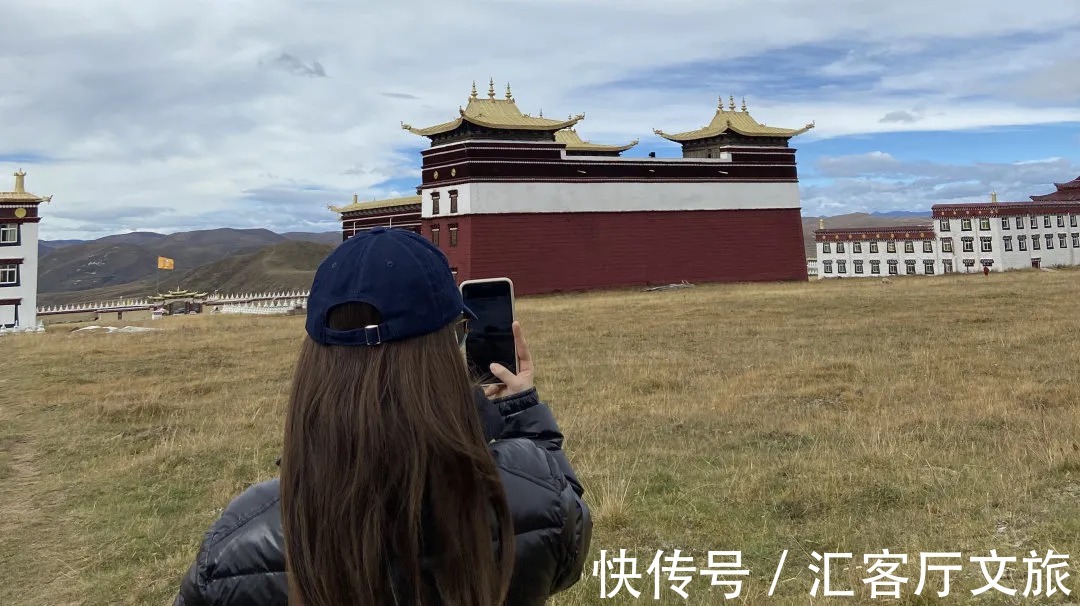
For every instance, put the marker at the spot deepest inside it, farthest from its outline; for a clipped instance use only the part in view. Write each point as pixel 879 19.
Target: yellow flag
pixel 164 263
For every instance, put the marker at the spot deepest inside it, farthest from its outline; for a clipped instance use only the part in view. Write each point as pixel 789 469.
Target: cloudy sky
pixel 167 116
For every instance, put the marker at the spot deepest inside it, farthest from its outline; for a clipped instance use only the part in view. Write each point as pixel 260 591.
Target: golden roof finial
pixel 993 197
pixel 509 96
pixel 355 198
pixel 20 185
pixel 821 223
pixel 732 106
pixel 720 102
pixel 473 94
pixel 541 112
pixel 744 104
pixel 491 88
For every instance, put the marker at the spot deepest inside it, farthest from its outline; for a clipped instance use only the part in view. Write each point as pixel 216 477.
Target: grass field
pixel 930 414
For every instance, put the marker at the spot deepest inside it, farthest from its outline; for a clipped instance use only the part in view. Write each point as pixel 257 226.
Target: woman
pixel 401 483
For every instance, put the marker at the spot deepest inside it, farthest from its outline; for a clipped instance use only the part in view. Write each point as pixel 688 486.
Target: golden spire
pixel 720 102
pixel 491 88
pixel 732 106
pixel 821 223
pixel 744 104
pixel 355 198
pixel 509 96
pixel 20 185
pixel 473 94
pixel 541 112
pixel 993 197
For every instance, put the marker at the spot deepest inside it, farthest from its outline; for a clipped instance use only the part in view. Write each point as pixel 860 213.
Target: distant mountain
pixel 288 265
pixel 327 237
pixel 903 213
pixel 47 246
pixel 123 258
pixel 810 224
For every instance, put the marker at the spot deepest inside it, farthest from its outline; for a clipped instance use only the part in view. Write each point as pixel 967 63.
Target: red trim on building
pixel 1066 192
pixel 17 261
pixel 552 252
pixel 10 301
pixel 1004 209
pixel 896 232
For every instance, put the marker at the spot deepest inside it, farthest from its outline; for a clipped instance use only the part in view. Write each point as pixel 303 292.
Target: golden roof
pixel 494 113
pixel 574 142
pixel 388 203
pixel 20 194
pixel 737 121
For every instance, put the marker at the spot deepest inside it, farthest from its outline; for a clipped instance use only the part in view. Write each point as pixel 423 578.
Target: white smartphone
pixel 491 334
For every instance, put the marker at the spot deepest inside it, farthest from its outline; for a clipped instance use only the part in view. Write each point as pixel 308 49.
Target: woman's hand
pixel 513 384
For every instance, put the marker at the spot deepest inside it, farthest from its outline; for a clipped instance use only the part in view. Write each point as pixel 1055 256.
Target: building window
pixel 1022 242
pixel 1035 243
pixel 928 246
pixel 890 246
pixel 9 233
pixel 1061 241
pixel 965 224
pixel 9 274
pixel 969 244
pixel 1034 223
pixel 946 245
pixel 969 262
pixel 893 268
pixel 841 267
pixel 827 266
pixel 1005 223
pixel 453 201
pixel 946 266
pixel 875 267
pixel 910 267
pixel 873 247
pixel 435 235
pixel 909 246
pixel 839 247
pixel 1072 220
pixel 1046 220
pixel 1019 223
pixel 1061 220
pixel 858 267
pixel 856 247
pixel 826 247
pixel 986 244
pixel 1049 241
pixel 984 224
pixel 453 234
pixel 1076 240
pixel 1007 242
pixel 928 267
pixel 944 224
pixel 434 202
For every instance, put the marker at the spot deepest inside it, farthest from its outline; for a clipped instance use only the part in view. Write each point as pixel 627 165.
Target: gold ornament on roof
pixel 20 212
pixel 472 95
pixel 732 105
pixel 744 103
pixel 509 96
pixel 20 183
pixel 491 88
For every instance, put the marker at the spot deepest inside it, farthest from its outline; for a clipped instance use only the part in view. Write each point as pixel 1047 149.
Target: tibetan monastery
pixel 19 255
pixel 504 193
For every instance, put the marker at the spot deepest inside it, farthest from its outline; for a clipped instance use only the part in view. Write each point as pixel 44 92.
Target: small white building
pixel 19 255
pixel 965 238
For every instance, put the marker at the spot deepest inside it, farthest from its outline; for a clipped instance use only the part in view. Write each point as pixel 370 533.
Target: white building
pixel 19 255
pixel 1000 236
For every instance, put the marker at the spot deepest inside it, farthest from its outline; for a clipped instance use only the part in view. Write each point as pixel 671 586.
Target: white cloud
pixel 229 111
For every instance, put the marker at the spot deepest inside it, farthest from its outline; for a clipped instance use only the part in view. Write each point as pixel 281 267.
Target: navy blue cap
pixel 395 270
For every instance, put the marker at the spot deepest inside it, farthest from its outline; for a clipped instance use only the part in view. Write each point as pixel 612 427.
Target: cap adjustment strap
pixel 372 335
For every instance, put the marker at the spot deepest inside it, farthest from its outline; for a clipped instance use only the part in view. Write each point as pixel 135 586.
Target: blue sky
pixel 260 113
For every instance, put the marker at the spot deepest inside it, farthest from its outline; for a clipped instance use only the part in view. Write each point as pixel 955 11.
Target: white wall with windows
pixel 18 274
pixel 960 245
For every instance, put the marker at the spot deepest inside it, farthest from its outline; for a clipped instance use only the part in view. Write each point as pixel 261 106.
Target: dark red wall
pixel 550 252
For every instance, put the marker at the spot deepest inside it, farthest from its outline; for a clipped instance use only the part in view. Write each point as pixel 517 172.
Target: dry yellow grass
pixel 924 415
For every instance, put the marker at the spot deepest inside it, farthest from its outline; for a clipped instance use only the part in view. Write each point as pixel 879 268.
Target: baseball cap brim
pixel 469 312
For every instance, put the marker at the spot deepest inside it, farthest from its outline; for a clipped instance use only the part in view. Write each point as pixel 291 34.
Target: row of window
pixel 894 267
pixel 890 246
pixel 968 243
pixel 9 233
pixel 1033 221
pixel 9 274
pixel 435 202
pixel 452 228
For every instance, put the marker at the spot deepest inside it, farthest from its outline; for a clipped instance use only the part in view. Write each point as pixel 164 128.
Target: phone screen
pixel 491 335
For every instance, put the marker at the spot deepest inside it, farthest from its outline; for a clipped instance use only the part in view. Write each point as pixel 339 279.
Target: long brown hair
pixel 389 494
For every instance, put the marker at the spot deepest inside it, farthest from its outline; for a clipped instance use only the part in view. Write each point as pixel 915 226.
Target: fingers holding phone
pixel 513 383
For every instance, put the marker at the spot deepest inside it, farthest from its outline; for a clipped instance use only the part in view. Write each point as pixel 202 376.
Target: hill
pixel 810 224
pixel 127 258
pixel 284 266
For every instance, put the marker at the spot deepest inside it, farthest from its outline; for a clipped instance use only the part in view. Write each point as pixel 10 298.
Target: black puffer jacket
pixel 241 562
